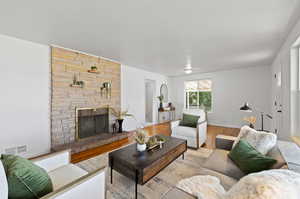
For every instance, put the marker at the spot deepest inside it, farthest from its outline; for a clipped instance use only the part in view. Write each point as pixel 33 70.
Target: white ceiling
pixel 160 36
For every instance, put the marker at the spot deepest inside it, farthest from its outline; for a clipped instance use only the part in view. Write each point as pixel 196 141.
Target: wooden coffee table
pixel 142 167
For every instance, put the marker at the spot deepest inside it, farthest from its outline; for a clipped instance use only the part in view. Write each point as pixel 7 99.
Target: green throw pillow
pixel 189 120
pixel 248 159
pixel 25 179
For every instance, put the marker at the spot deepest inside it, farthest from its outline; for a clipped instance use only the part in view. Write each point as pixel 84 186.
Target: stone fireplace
pixel 79 115
pixel 91 122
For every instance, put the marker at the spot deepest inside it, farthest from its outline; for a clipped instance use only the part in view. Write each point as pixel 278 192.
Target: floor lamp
pixel 247 108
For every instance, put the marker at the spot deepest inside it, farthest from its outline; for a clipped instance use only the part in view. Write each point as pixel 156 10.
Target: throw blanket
pixel 271 184
pixel 204 187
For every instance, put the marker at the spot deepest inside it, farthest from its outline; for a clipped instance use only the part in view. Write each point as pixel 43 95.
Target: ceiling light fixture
pixel 188 70
pixel 188 67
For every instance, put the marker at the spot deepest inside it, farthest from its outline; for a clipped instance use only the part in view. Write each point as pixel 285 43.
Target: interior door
pixel 277 100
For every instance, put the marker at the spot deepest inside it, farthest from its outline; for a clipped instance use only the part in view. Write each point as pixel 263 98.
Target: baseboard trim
pixel 224 125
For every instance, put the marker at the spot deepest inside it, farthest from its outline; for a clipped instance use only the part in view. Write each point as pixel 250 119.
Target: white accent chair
pixel 195 137
pixel 69 181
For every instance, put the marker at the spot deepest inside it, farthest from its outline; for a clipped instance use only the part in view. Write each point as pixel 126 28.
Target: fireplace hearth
pixel 93 129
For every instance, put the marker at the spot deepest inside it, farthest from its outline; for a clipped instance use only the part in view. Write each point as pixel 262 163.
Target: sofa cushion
pixel 3 183
pixel 25 179
pixel 191 141
pixel 226 181
pixel 220 162
pixel 184 131
pixel 261 141
pixel 189 120
pixel 65 175
pixel 248 159
pixel 276 154
pixel 199 112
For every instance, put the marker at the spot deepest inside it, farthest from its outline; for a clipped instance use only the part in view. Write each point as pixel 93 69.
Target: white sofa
pixel 195 137
pixel 69 181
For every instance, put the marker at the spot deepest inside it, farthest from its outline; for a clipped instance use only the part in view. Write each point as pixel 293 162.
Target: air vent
pixel 11 151
pixel 22 149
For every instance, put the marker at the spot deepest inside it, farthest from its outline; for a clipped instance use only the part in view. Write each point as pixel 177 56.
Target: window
pixel 198 94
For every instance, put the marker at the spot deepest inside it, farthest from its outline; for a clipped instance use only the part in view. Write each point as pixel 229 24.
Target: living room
pixel 138 99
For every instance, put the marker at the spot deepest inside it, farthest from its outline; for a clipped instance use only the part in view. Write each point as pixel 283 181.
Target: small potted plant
pixel 120 115
pixel 140 138
pixel 161 98
pixel 93 69
pixel 80 83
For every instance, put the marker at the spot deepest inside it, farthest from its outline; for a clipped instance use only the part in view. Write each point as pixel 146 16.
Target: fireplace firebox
pixel 91 122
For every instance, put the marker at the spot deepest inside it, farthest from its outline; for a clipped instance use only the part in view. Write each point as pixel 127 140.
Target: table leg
pixel 136 183
pixel 111 175
pixel 111 171
pixel 183 156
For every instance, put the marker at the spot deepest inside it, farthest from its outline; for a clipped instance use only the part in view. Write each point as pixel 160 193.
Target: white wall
pixel 133 93
pixel 283 63
pixel 24 102
pixel 231 88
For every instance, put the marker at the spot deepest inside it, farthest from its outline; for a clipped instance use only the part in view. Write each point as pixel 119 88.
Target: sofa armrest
pixel 202 133
pixel 91 186
pixel 175 123
pixel 225 142
pixel 53 160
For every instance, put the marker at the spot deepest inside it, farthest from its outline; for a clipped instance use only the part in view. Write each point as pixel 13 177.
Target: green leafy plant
pixel 140 136
pixel 81 83
pixel 120 114
pixel 160 138
pixel 152 141
pixel 94 68
pixel 160 98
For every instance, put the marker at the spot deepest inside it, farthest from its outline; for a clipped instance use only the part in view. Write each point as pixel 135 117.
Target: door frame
pixel 153 83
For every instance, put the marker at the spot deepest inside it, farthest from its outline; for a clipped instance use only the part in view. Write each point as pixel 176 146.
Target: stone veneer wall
pixel 64 98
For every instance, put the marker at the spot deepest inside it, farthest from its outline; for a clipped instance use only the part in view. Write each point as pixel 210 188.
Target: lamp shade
pixel 246 108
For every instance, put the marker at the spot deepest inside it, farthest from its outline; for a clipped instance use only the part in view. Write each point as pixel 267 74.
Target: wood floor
pixel 164 128
pixel 296 139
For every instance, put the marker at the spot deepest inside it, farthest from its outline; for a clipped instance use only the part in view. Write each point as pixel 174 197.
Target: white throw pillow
pixel 3 183
pixel 261 141
pixel 204 187
pixel 271 184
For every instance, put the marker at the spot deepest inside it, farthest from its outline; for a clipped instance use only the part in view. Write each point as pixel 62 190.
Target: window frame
pixel 298 68
pixel 185 94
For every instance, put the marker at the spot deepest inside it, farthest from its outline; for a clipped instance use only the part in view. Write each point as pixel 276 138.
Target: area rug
pixel 124 188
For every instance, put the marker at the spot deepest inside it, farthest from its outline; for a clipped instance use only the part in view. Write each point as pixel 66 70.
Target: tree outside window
pixel 198 94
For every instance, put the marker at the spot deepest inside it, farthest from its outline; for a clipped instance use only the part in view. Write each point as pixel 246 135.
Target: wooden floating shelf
pixel 93 71
pixel 76 86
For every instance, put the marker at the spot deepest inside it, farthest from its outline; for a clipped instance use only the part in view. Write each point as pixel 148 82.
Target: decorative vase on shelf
pixel 161 99
pixel 120 121
pixel 141 147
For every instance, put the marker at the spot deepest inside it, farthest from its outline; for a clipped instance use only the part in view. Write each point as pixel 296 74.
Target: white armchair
pixel 69 181
pixel 195 137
